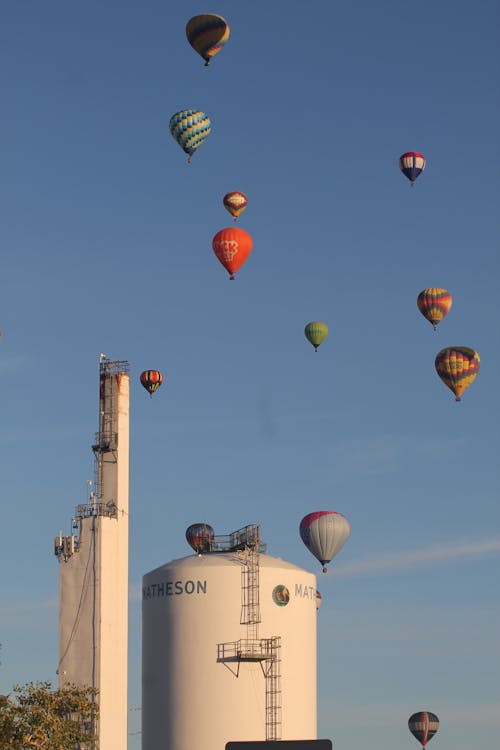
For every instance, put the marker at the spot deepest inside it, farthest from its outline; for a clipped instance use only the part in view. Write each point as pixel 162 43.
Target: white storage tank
pixel 196 692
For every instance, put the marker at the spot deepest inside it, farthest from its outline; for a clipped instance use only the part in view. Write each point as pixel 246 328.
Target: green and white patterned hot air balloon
pixel 190 128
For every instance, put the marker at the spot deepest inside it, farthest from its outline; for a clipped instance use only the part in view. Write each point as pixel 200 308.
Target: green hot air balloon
pixel 316 332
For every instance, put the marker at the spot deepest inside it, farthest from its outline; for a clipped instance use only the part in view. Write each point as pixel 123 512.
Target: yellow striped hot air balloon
pixel 207 34
pixel 457 366
pixel 434 303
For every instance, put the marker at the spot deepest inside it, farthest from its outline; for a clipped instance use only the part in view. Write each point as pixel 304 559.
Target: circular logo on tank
pixel 281 595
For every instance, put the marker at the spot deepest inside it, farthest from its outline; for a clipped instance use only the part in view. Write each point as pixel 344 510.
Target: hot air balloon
pixel 207 34
pixel 423 725
pixel 235 203
pixel 412 164
pixel 319 599
pixel 151 380
pixel 324 533
pixel 434 303
pixel 190 128
pixel 457 366
pixel 232 247
pixel 200 536
pixel 316 332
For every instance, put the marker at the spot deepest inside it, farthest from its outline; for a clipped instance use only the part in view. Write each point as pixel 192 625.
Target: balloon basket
pixel 232 277
pixel 325 569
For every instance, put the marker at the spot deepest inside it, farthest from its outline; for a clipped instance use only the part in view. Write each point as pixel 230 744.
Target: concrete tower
pixel 93 580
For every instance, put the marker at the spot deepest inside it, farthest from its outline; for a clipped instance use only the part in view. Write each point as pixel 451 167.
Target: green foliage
pixel 36 717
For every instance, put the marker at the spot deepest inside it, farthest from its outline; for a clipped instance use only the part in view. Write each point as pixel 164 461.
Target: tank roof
pixel 224 559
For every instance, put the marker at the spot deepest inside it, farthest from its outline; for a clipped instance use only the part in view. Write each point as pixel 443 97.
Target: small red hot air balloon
pixel 151 380
pixel 232 247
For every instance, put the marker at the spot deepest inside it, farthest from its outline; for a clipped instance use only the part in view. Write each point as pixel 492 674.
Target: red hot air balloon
pixel 151 380
pixel 232 247
pixel 423 725
pixel 200 536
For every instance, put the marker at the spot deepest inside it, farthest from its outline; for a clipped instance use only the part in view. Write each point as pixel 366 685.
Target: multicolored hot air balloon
pixel 151 380
pixel 412 164
pixel 423 725
pixel 457 366
pixel 316 332
pixel 232 247
pixel 200 536
pixel 235 203
pixel 324 533
pixel 207 34
pixel 190 128
pixel 434 303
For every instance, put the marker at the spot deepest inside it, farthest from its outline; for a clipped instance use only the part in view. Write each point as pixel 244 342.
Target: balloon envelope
pixel 235 203
pixel 316 332
pixel 190 128
pixel 232 247
pixel 200 536
pixel 434 303
pixel 457 366
pixel 423 725
pixel 207 34
pixel 412 164
pixel 324 533
pixel 151 380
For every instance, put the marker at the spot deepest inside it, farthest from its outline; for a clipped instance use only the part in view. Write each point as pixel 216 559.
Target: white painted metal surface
pixel 190 699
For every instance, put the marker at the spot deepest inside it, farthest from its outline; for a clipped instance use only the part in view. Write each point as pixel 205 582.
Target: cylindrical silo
pixel 195 693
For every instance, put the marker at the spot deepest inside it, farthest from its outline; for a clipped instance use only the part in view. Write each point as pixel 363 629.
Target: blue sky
pixel 106 246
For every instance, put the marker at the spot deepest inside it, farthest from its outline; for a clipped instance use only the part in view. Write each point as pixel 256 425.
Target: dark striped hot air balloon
pixel 151 380
pixel 423 725
pixel 200 536
pixel 434 303
pixel 457 366
pixel 412 164
pixel 207 34
pixel 190 128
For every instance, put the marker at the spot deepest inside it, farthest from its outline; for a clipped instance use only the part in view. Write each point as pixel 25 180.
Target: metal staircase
pixel 247 545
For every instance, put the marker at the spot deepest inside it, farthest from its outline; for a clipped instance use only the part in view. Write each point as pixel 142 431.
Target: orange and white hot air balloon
pixel 232 246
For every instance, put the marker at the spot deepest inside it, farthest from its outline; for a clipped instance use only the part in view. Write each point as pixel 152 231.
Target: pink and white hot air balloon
pixel 324 533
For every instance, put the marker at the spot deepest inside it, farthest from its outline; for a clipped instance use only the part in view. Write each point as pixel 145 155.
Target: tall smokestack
pixel 93 579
